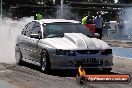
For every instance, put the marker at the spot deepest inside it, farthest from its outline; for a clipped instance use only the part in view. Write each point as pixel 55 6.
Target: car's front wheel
pixel 18 56
pixel 45 62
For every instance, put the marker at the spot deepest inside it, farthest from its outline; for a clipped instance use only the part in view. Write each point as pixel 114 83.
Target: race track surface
pixel 29 76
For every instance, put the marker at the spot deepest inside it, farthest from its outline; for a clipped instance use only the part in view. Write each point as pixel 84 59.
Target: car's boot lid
pixel 84 42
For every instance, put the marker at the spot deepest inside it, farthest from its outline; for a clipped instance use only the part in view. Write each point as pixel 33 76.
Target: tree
pixel 16 2
pixel 125 1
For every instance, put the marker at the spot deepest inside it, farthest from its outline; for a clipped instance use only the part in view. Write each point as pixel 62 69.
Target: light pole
pixel 1 8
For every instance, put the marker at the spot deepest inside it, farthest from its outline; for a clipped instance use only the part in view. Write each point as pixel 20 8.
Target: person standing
pixel 98 21
pixel 106 27
pixel 84 20
pixel 121 27
pixel 90 24
pixel 90 19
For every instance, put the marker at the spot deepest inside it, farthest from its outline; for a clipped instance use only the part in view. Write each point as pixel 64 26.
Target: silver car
pixel 62 44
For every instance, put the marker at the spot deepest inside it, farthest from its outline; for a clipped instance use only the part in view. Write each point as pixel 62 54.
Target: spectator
pixel 84 20
pixel 116 28
pixel 120 25
pixel 90 24
pixel 90 20
pixel 105 29
pixel 98 20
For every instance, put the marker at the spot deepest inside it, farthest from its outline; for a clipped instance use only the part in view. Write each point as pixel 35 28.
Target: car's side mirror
pixel 36 36
pixel 97 35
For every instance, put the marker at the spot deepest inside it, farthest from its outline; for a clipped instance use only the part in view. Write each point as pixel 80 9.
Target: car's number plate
pixel 89 61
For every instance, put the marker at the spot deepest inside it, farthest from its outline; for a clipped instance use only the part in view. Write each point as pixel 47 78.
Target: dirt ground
pixel 29 76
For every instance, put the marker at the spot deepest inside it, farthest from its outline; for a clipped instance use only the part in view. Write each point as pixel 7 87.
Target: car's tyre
pixel 45 62
pixel 106 70
pixel 18 56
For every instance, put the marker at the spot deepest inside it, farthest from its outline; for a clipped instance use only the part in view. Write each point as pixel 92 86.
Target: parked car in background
pixel 62 44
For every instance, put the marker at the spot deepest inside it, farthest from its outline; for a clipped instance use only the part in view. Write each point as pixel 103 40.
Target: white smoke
pixel 62 13
pixel 8 32
pixel 127 17
pixel 66 12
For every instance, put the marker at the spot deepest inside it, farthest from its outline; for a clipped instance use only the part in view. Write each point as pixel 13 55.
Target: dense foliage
pixel 125 1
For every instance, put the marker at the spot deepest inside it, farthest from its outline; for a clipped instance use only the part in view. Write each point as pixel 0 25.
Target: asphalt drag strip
pixel 29 76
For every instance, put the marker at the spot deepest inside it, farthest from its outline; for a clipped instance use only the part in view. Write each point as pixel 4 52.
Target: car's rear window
pixel 58 29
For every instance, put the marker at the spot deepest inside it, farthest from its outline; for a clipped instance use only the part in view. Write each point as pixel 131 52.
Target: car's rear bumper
pixel 73 62
pixel 81 67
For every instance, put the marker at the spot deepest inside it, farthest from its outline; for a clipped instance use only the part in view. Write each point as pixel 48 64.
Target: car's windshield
pixel 58 29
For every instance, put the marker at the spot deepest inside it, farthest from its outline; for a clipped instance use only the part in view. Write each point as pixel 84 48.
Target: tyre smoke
pixel 126 16
pixel 8 33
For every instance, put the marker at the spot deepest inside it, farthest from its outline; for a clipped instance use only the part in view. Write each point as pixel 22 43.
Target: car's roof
pixel 56 20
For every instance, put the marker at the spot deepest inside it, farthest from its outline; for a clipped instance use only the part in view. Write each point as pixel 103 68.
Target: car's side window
pixel 36 29
pixel 29 28
pixel 37 24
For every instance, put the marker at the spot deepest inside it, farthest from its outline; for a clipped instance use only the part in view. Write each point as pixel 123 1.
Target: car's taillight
pixel 106 52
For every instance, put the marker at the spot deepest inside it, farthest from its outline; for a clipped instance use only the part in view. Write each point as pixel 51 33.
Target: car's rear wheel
pixel 45 62
pixel 18 56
